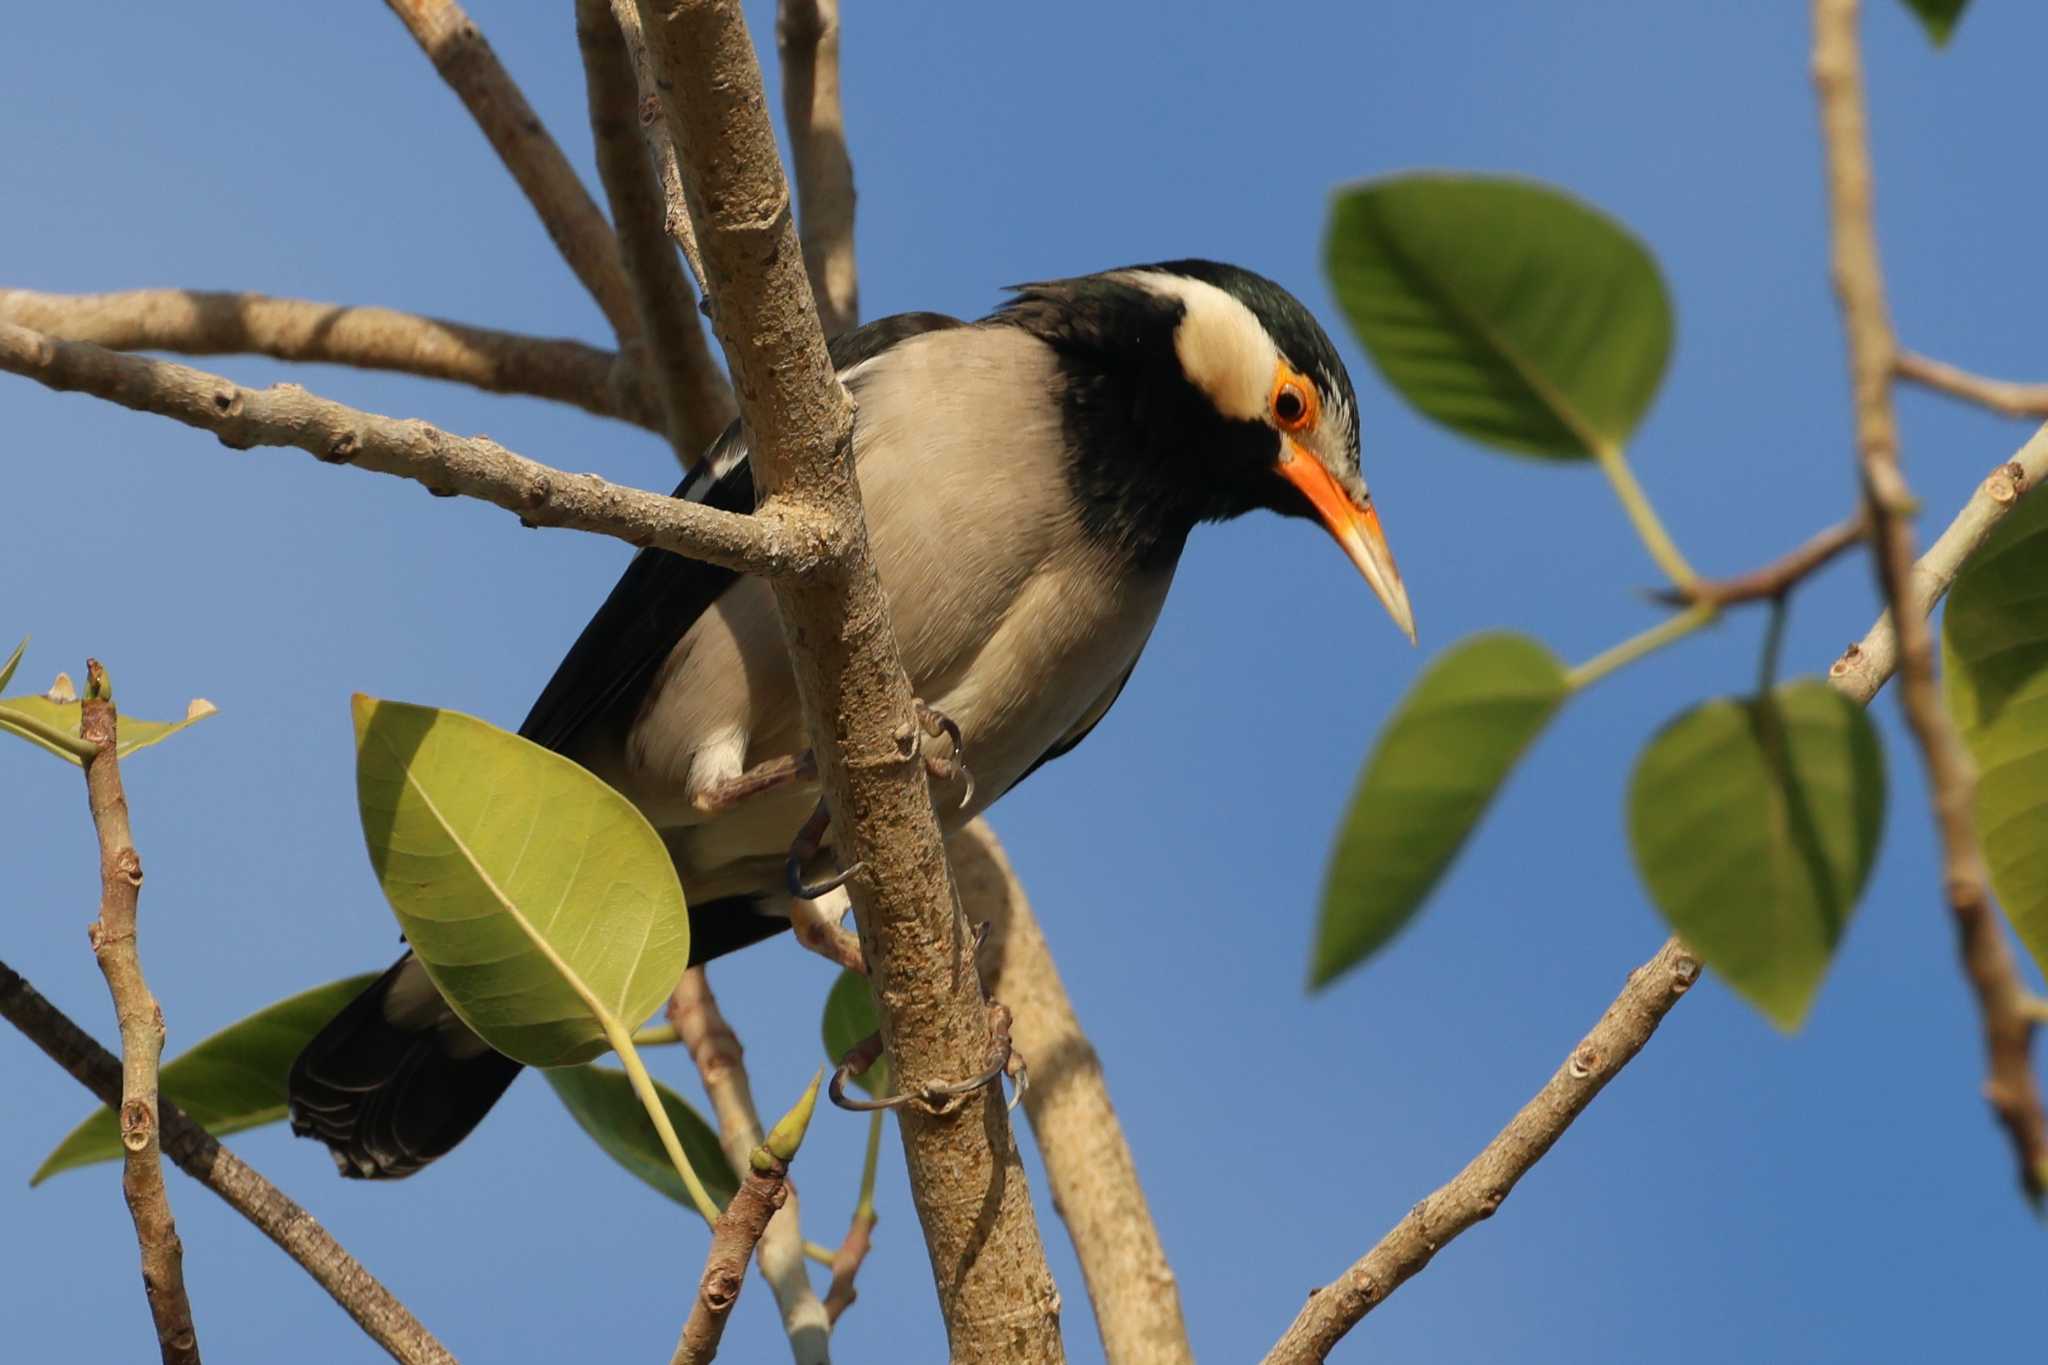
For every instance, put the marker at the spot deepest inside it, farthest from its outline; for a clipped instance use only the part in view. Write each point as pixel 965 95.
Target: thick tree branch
pixel 457 48
pixel 2002 396
pixel 966 1178
pixel 696 400
pixel 197 322
pixel 807 36
pixel 142 1029
pixel 476 466
pixel 296 1232
pixel 1987 958
pixel 1476 1192
pixel 1088 1162
pixel 702 1027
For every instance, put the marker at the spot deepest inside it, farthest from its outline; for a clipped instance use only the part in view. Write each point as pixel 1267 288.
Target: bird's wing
pixel 661 594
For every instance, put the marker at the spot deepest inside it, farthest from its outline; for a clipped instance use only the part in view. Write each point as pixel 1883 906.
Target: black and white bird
pixel 1029 481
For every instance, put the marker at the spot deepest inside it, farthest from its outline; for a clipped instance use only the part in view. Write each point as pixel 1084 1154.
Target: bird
pixel 1029 481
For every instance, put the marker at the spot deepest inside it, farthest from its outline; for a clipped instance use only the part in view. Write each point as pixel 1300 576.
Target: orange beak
pixel 1356 527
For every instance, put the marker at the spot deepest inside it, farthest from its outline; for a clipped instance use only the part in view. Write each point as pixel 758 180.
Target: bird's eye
pixel 1294 407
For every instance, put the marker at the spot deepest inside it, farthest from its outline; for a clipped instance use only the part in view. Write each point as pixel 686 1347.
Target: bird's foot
pixel 728 792
pixel 936 1098
pixel 809 839
pixel 942 767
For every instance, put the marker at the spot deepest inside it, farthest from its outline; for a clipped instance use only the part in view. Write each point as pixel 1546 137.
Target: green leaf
pixel 232 1081
pixel 601 1100
pixel 13 662
pixel 1508 311
pixel 849 1017
pixel 1995 657
pixel 539 900
pixel 1437 764
pixel 1938 17
pixel 45 718
pixel 1755 823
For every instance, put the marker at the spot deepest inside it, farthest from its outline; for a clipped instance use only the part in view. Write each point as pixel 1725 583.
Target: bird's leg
pixel 728 792
pixel 934 723
pixel 821 930
pixel 809 839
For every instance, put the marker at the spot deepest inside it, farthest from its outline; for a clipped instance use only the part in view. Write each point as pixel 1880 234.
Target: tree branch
pixel 1088 1162
pixel 286 415
pixel 733 1238
pixel 457 48
pixel 1776 578
pixel 807 37
pixel 2002 396
pixel 198 322
pixel 1476 1192
pixel 695 398
pixel 296 1233
pixel 701 1027
pixel 966 1178
pixel 661 148
pixel 142 1029
pixel 1987 959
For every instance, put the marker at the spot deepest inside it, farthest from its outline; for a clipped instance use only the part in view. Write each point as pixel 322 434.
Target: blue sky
pixel 1840 1195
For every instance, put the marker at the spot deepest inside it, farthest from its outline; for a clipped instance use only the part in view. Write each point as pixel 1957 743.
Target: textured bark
pixel 1987 958
pixel 807 37
pixel 696 401
pixel 297 1233
pixel 966 1179
pixel 287 415
pixel 457 48
pixel 702 1027
pixel 142 1031
pixel 198 322
pixel 1088 1163
pixel 733 1238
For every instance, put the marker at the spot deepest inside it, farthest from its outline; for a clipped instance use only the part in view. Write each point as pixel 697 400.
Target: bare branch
pixel 1088 1162
pixel 807 36
pixel 1776 578
pixel 1867 665
pixel 695 398
pixel 2001 396
pixel 1987 958
pixel 142 1029
pixel 296 1232
pixel 733 1238
pixel 966 1178
pixel 701 1027
pixel 476 466
pixel 846 1262
pixel 197 322
pixel 661 148
pixel 457 48
pixel 1477 1192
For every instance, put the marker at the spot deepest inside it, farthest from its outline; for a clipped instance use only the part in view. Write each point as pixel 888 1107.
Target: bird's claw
pixel 934 723
pixel 809 839
pixel 936 1098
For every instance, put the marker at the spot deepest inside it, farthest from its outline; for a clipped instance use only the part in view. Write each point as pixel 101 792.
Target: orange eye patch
pixel 1293 402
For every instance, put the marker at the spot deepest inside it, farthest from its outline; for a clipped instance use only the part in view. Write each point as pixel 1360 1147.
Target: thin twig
pixel 966 1177
pixel 2000 395
pixel 733 1238
pixel 1088 1161
pixel 819 929
pixel 661 148
pixel 142 1028
pixel 702 1027
pixel 387 1321
pixel 807 37
pixel 695 398
pixel 1476 1192
pixel 1777 578
pixel 1987 958
pixel 199 322
pixel 846 1261
pixel 457 48
pixel 1866 665
pixel 287 415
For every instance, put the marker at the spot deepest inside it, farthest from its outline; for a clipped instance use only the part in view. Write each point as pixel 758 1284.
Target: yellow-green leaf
pixel 539 900
pixel 1509 311
pixel 1939 17
pixel 1995 657
pixel 849 1017
pixel 231 1081
pixel 42 718
pixel 1755 822
pixel 13 662
pixel 601 1100
pixel 1436 766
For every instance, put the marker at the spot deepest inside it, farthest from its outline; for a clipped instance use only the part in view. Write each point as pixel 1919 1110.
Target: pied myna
pixel 1029 481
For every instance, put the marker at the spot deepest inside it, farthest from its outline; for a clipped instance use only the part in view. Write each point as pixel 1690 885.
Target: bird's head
pixel 1264 413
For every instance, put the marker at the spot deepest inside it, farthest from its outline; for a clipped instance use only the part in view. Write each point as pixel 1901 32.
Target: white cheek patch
pixel 1221 345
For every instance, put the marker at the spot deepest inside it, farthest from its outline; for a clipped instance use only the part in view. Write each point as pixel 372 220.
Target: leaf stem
pixel 1774 640
pixel 1636 503
pixel 866 1206
pixel 643 1086
pixel 1636 646
pixel 51 737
